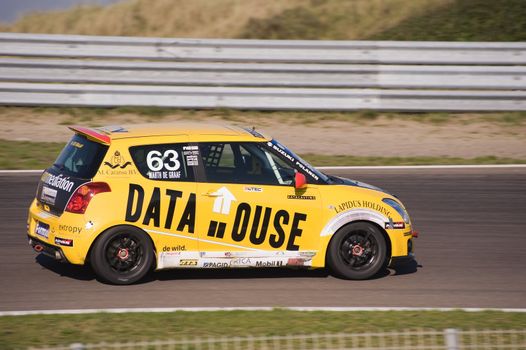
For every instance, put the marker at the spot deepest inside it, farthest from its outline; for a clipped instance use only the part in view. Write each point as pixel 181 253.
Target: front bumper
pixel 397 261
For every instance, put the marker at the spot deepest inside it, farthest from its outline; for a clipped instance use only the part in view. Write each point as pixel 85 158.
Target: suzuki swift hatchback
pixel 129 200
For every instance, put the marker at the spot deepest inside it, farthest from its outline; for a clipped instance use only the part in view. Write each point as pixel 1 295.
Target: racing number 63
pixel 169 160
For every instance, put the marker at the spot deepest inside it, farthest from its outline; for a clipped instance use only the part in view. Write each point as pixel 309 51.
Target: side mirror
pixel 300 181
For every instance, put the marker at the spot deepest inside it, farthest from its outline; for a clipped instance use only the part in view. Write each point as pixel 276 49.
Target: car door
pixel 163 201
pixel 249 212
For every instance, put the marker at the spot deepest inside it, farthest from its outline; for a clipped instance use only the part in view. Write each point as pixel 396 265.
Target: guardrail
pixel 74 70
pixel 448 339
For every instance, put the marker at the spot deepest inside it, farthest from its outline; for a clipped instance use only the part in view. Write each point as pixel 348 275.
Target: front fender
pixel 348 216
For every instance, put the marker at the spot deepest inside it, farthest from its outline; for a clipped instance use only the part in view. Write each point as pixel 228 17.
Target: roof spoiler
pixel 92 134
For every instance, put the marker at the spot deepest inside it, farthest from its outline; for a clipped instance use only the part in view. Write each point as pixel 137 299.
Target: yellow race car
pixel 131 199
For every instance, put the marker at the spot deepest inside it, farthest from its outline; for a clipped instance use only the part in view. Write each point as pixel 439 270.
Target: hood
pixel 349 182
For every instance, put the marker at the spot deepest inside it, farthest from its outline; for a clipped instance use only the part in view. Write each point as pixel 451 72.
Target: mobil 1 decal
pixel 164 164
pixel 147 209
pixel 255 224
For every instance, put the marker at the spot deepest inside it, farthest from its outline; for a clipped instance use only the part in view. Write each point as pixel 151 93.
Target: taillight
pixel 78 203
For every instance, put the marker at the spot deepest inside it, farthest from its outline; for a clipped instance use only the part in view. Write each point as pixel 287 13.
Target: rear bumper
pixel 66 234
pixel 47 249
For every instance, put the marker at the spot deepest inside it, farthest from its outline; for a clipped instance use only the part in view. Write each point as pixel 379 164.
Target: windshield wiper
pixel 334 179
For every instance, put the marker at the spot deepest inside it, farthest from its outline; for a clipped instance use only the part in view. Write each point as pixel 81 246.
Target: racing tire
pixel 122 255
pixel 357 251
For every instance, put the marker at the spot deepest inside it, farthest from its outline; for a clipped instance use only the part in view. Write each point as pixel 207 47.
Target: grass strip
pixel 19 155
pixel 24 331
pixel 28 155
pixel 463 20
pixel 94 116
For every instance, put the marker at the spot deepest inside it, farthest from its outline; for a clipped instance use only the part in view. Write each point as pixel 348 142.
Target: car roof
pixel 108 133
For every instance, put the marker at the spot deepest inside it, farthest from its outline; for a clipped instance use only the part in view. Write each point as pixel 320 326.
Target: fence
pixel 449 339
pixel 77 70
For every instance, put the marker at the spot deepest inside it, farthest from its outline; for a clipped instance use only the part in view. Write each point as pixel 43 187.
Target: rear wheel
pixel 122 255
pixel 357 251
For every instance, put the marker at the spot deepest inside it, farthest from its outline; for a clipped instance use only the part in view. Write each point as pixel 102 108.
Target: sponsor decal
pixel 42 229
pixel 163 175
pixel 163 165
pixel 177 248
pixel 48 195
pixel 281 150
pixel 69 229
pixel 395 225
pixel 307 254
pixel 188 262
pixel 168 254
pixel 291 196
pixel 117 160
pixel 215 265
pixel 117 172
pixel 237 259
pixel 58 181
pixel 252 189
pixel 295 262
pixel 152 214
pixel 89 225
pixel 76 144
pixel 116 166
pixel 255 224
pixel 192 161
pixel 223 201
pixel 240 262
pixel 64 242
pixel 352 204
pixel 191 154
pixel 270 263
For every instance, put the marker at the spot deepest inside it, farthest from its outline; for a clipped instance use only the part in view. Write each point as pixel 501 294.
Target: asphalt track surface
pixel 471 253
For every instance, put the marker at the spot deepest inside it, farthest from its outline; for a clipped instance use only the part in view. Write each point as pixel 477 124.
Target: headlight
pixel 398 207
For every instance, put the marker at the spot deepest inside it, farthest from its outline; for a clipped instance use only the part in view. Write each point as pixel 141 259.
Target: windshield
pixel 296 160
pixel 81 157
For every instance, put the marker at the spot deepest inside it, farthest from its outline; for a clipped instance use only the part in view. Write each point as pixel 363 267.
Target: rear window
pixel 81 157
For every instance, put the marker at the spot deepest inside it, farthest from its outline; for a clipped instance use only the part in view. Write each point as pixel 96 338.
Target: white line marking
pixel 365 167
pixel 262 308
pixel 21 171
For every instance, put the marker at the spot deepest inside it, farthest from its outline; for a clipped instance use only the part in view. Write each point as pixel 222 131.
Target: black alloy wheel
pixel 357 251
pixel 122 255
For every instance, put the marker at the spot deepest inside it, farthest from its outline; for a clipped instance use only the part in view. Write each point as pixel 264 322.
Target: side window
pixel 246 163
pixel 166 162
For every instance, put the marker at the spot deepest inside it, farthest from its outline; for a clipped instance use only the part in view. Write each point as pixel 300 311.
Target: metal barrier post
pixel 451 339
pixel 77 346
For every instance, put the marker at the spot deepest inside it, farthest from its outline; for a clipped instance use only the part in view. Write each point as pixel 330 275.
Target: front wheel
pixel 122 255
pixel 357 251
